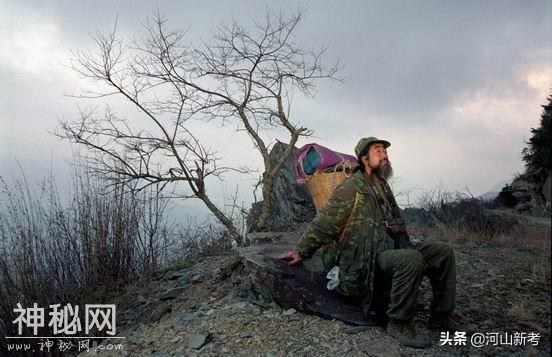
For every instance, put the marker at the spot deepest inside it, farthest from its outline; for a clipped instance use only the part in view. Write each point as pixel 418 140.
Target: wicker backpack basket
pixel 321 184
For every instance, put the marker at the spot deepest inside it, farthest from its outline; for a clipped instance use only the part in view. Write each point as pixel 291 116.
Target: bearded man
pixel 362 234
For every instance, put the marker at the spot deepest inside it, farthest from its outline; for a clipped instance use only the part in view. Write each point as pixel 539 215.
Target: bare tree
pixel 239 76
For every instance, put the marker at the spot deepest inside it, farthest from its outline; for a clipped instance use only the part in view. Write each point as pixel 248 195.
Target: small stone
pixel 289 312
pixel 354 329
pixel 230 297
pixel 172 293
pixel 216 273
pixel 379 348
pixel 239 306
pixel 245 334
pixel 183 282
pixel 159 354
pixel 178 274
pixel 160 311
pixel 198 340
pixel 346 346
pixel 185 318
pixel 244 304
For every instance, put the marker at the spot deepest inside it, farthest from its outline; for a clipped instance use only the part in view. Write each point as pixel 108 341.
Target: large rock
pixel 520 188
pixel 532 190
pixel 302 287
pixel 292 205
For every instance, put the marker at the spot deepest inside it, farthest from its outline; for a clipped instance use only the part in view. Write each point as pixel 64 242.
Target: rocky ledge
pixel 301 287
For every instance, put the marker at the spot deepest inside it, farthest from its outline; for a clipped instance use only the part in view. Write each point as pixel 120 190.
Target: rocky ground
pixel 208 309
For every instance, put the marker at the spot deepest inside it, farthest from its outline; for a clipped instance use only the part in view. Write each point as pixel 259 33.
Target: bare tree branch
pixel 240 75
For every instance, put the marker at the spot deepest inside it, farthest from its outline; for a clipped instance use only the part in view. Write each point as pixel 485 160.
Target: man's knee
pixel 412 260
pixel 439 258
pixel 441 249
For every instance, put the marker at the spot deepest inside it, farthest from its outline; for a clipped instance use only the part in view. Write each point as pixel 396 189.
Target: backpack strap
pixel 343 240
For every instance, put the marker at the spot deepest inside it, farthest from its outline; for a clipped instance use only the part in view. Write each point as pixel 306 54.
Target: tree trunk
pixel 224 220
pixel 268 183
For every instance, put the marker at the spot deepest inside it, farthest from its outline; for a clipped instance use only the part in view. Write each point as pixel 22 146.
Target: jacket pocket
pixel 350 282
pixel 351 271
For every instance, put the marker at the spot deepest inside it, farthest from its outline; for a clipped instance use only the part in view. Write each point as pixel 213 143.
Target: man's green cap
pixel 364 142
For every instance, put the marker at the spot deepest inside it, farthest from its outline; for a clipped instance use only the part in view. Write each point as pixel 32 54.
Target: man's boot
pixel 446 321
pixel 405 333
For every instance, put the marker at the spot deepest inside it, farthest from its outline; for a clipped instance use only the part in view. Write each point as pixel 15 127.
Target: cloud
pixel 539 79
pixel 29 43
pixel 455 86
pixel 477 140
pixel 406 61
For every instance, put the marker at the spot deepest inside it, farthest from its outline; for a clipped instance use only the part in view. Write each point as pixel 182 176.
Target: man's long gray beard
pixel 385 171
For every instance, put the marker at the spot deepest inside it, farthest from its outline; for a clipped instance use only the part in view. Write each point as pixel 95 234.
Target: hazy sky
pixel 455 86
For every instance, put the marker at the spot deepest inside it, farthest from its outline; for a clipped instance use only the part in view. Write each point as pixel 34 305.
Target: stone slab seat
pixel 303 286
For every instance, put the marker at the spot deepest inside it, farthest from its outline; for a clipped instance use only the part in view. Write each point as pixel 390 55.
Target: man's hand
pixel 403 242
pixel 293 256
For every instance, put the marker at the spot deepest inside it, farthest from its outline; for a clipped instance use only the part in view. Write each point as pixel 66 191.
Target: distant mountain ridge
pixel 493 192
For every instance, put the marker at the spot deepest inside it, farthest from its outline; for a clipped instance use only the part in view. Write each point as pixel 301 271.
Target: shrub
pixel 58 253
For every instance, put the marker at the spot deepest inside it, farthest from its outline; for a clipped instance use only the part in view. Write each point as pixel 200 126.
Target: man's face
pixel 377 161
pixel 377 156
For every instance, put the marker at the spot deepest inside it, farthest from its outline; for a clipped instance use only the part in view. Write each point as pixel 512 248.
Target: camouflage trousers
pixel 399 273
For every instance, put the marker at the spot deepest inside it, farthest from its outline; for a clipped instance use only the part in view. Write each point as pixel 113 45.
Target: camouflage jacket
pixel 350 230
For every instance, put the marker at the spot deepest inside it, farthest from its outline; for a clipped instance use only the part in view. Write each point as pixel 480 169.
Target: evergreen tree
pixel 538 154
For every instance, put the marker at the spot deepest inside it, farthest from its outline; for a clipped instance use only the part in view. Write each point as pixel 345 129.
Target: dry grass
pixel 540 271
pixel 522 236
pixel 88 247
pixel 198 240
pixel 533 239
pixel 75 250
pixel 84 248
pixel 518 312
